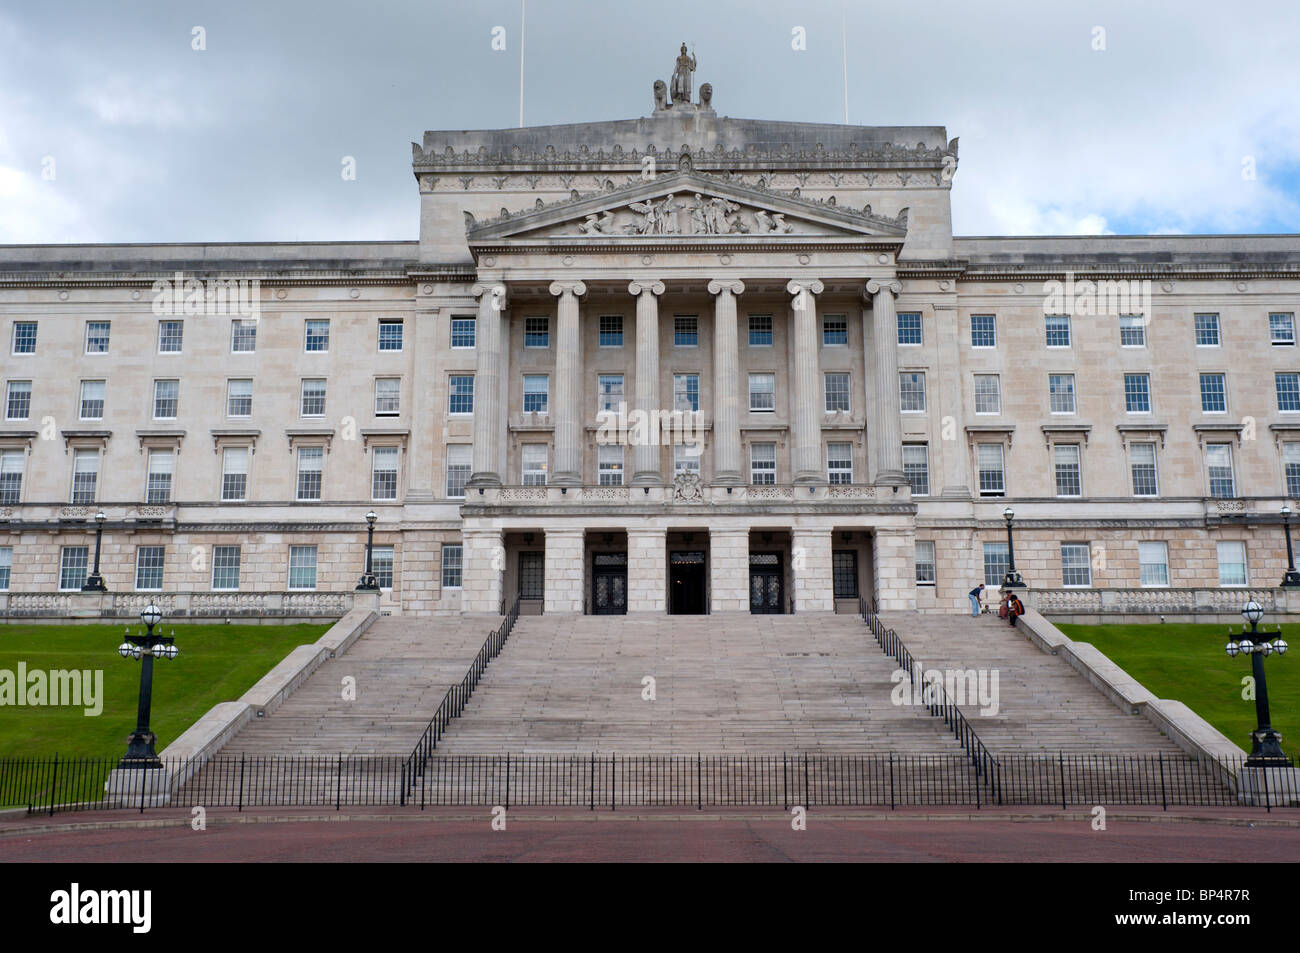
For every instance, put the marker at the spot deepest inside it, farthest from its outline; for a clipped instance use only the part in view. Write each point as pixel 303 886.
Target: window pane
pixel 837 393
pixel 166 397
pixel 1068 481
pixel 451 562
pixel 92 400
pixel 1058 330
pixel 318 335
pixel 388 396
pixel 1288 391
pixel 762 464
pixel 1153 564
pixel 159 488
pixel 1232 563
pixel 234 473
pixel 911 386
pixel 537 332
pixel 909 327
pixel 239 398
pixel 990 469
pixel 760 330
pixel 762 392
pixel 383 473
pixel 19 400
pixel 243 337
pixel 536 393
pixel 459 464
pixel 149 567
pixel 11 477
pixel 24 337
pixel 925 574
pixel 310 462
pixel 85 474
pixel 461 395
pixel 609 459
pixel 313 398
pixel 170 334
pixel 1207 330
pixel 302 567
pixel 97 337
pixel 72 567
pixel 983 330
pixel 534 457
pixel 1214 399
pixel 839 463
pixel 1281 329
pixel 1137 393
pixel 1060 390
pixel 611 330
pixel 225 567
pixel 988 399
pixel 1142 460
pixel 1076 567
pixel 390 335
pixel 1218 459
pixel 1132 330
pixel 835 330
pixel 995 563
pixel 916 467
pixel 686 330
pixel 462 332
pixel 381 564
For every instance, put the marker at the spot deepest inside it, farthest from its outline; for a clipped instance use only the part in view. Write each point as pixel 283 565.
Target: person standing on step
pixel 976 596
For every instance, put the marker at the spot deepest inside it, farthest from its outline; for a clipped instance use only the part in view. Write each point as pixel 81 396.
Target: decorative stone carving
pixel 767 223
pixel 706 96
pixel 683 74
pixel 602 223
pixel 661 95
pixel 686 485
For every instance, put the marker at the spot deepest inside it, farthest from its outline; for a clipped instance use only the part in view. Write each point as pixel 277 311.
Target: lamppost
pixel 1266 744
pixel 95 582
pixel 1012 579
pixel 140 745
pixel 368 581
pixel 1292 578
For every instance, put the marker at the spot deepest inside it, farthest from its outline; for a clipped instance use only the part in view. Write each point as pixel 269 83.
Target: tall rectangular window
pixel 988 394
pixel 1058 330
pixel 92 400
pixel 388 396
pixel 73 561
pixel 1281 329
pixel 1214 395
pixel 762 393
pixel 911 392
pixel 925 567
pixel 311 461
pixel 1076 564
pixel 11 477
pixel 381 564
pixel 533 458
pixel 149 567
pixel 839 463
pixel 460 460
pixel 996 562
pixel 460 395
pixel 166 399
pixel 390 334
pixel 991 476
pixel 916 467
pixel 383 473
pixel 462 332
pixel 537 332
pixel 1132 330
pixel 686 392
pixel 611 330
pixel 1288 391
pixel 158 485
pixel 909 327
pixel 239 398
pixel 609 463
pixel 762 464
pixel 243 336
pixel 1137 393
pixel 302 567
pixel 1060 393
pixel 610 394
pixel 18 400
pixel 1207 330
pixel 1290 468
pixel 171 334
pixel 686 458
pixel 536 393
pixel 1069 481
pixel 24 337
pixel 318 335
pixel 451 563
pixel 6 566
pixel 983 330
pixel 760 330
pixel 234 474
pixel 85 476
pixel 225 568
pixel 1218 461
pixel 686 330
pixel 1153 564
pixel 1142 464
pixel 97 337
pixel 835 330
pixel 1232 563
pixel 313 397
pixel 837 393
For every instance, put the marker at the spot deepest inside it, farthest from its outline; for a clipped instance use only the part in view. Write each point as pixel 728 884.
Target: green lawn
pixel 1187 663
pixel 217 663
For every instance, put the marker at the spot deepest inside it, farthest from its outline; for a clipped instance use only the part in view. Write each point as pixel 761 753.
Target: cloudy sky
pixel 113 128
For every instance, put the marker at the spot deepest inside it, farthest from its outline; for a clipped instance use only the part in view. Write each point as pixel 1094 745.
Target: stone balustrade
pixel 1167 602
pixel 185 605
pixel 684 493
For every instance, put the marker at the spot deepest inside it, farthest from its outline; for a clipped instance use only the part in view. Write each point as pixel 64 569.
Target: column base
pixel 728 478
pixel 810 478
pixel 955 493
pixel 420 495
pixel 566 479
pixel 890 478
pixel 647 478
pixel 483 478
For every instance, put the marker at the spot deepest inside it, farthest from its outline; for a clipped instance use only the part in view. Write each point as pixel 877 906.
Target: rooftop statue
pixel 681 82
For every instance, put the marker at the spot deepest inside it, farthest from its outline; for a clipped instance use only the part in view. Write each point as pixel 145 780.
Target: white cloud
pixel 126 101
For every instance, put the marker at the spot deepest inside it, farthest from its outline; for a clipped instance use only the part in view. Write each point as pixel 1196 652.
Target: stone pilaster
pixel 492 370
pixel 805 397
pixel 893 554
pixel 953 455
pixel 726 384
pixel 482 570
pixel 647 562
pixel 729 570
pixel 886 427
pixel 646 454
pixel 422 340
pixel 564 570
pixel 568 385
pixel 811 563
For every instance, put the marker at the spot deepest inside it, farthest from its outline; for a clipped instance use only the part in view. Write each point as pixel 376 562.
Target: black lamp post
pixel 1266 743
pixel 140 745
pixel 1012 579
pixel 368 581
pixel 95 582
pixel 1292 578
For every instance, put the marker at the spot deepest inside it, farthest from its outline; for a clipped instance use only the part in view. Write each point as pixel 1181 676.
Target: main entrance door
pixel 686 583
pixel 609 584
pixel 765 584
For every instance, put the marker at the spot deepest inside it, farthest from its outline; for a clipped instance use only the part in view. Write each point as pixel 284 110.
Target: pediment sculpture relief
pixel 696 214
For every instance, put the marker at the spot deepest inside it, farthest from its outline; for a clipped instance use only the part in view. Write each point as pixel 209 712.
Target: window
pixel 1232 563
pixel 760 330
pixel 85 475
pixel 1290 467
pixel 313 397
pixel 97 337
pixel 1281 330
pixel 1214 398
pixel 1137 393
pixel 1076 564
pixel 1207 330
pixel 844 573
pixel 1218 460
pixel 537 332
pixel 239 398
pixel 1068 479
pixel 149 567
pixel 686 330
pixel 762 393
pixel 1060 393
pixel 1142 463
pixel 1132 330
pixel 610 392
pixel 381 564
pixel 988 394
pixel 611 330
pixel 166 399
pixel 609 464
pixel 992 478
pixel 310 463
pixel 92 400
pixel 243 337
pixel 318 335
pixel 535 393
pixel 1058 330
pixel 234 474
pixel 911 392
pixel 837 393
pixel 839 463
pixel 916 467
pixel 462 332
pixel 835 330
pixel 1153 564
pixel 686 392
pixel 158 484
pixel 909 327
pixel 6 566
pixel 686 458
pixel 170 335
pixel 302 567
pixel 225 567
pixel 383 473
pixel 762 464
pixel 388 396
pixel 72 567
pixel 18 402
pixel 460 395
pixel 925 575
pixel 24 337
pixel 996 562
pixel 1288 391
pixel 11 477
pixel 983 330
pixel 390 334
pixel 451 558
pixel 460 463
pixel 533 456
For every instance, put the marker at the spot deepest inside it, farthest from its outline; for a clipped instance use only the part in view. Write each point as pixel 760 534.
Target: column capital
pixel 652 285
pixel 575 288
pixel 800 285
pixel 877 285
pixel 497 290
pixel 734 285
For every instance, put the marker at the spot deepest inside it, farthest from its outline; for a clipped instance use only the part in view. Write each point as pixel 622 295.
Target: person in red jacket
pixel 1015 608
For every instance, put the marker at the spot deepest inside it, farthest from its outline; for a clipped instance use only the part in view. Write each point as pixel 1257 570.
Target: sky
pixel 193 120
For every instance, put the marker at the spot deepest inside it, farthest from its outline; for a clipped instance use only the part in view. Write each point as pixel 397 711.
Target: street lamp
pixel 140 745
pixel 95 582
pixel 1012 579
pixel 1266 744
pixel 1292 578
pixel 368 581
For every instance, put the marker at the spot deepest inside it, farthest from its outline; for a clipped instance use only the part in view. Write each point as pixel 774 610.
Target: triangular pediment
pixel 686 205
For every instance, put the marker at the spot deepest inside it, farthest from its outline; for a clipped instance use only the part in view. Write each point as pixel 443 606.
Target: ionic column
pixel 646 456
pixel 805 402
pixel 568 385
pixel 886 423
pixel 726 383
pixel 492 366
